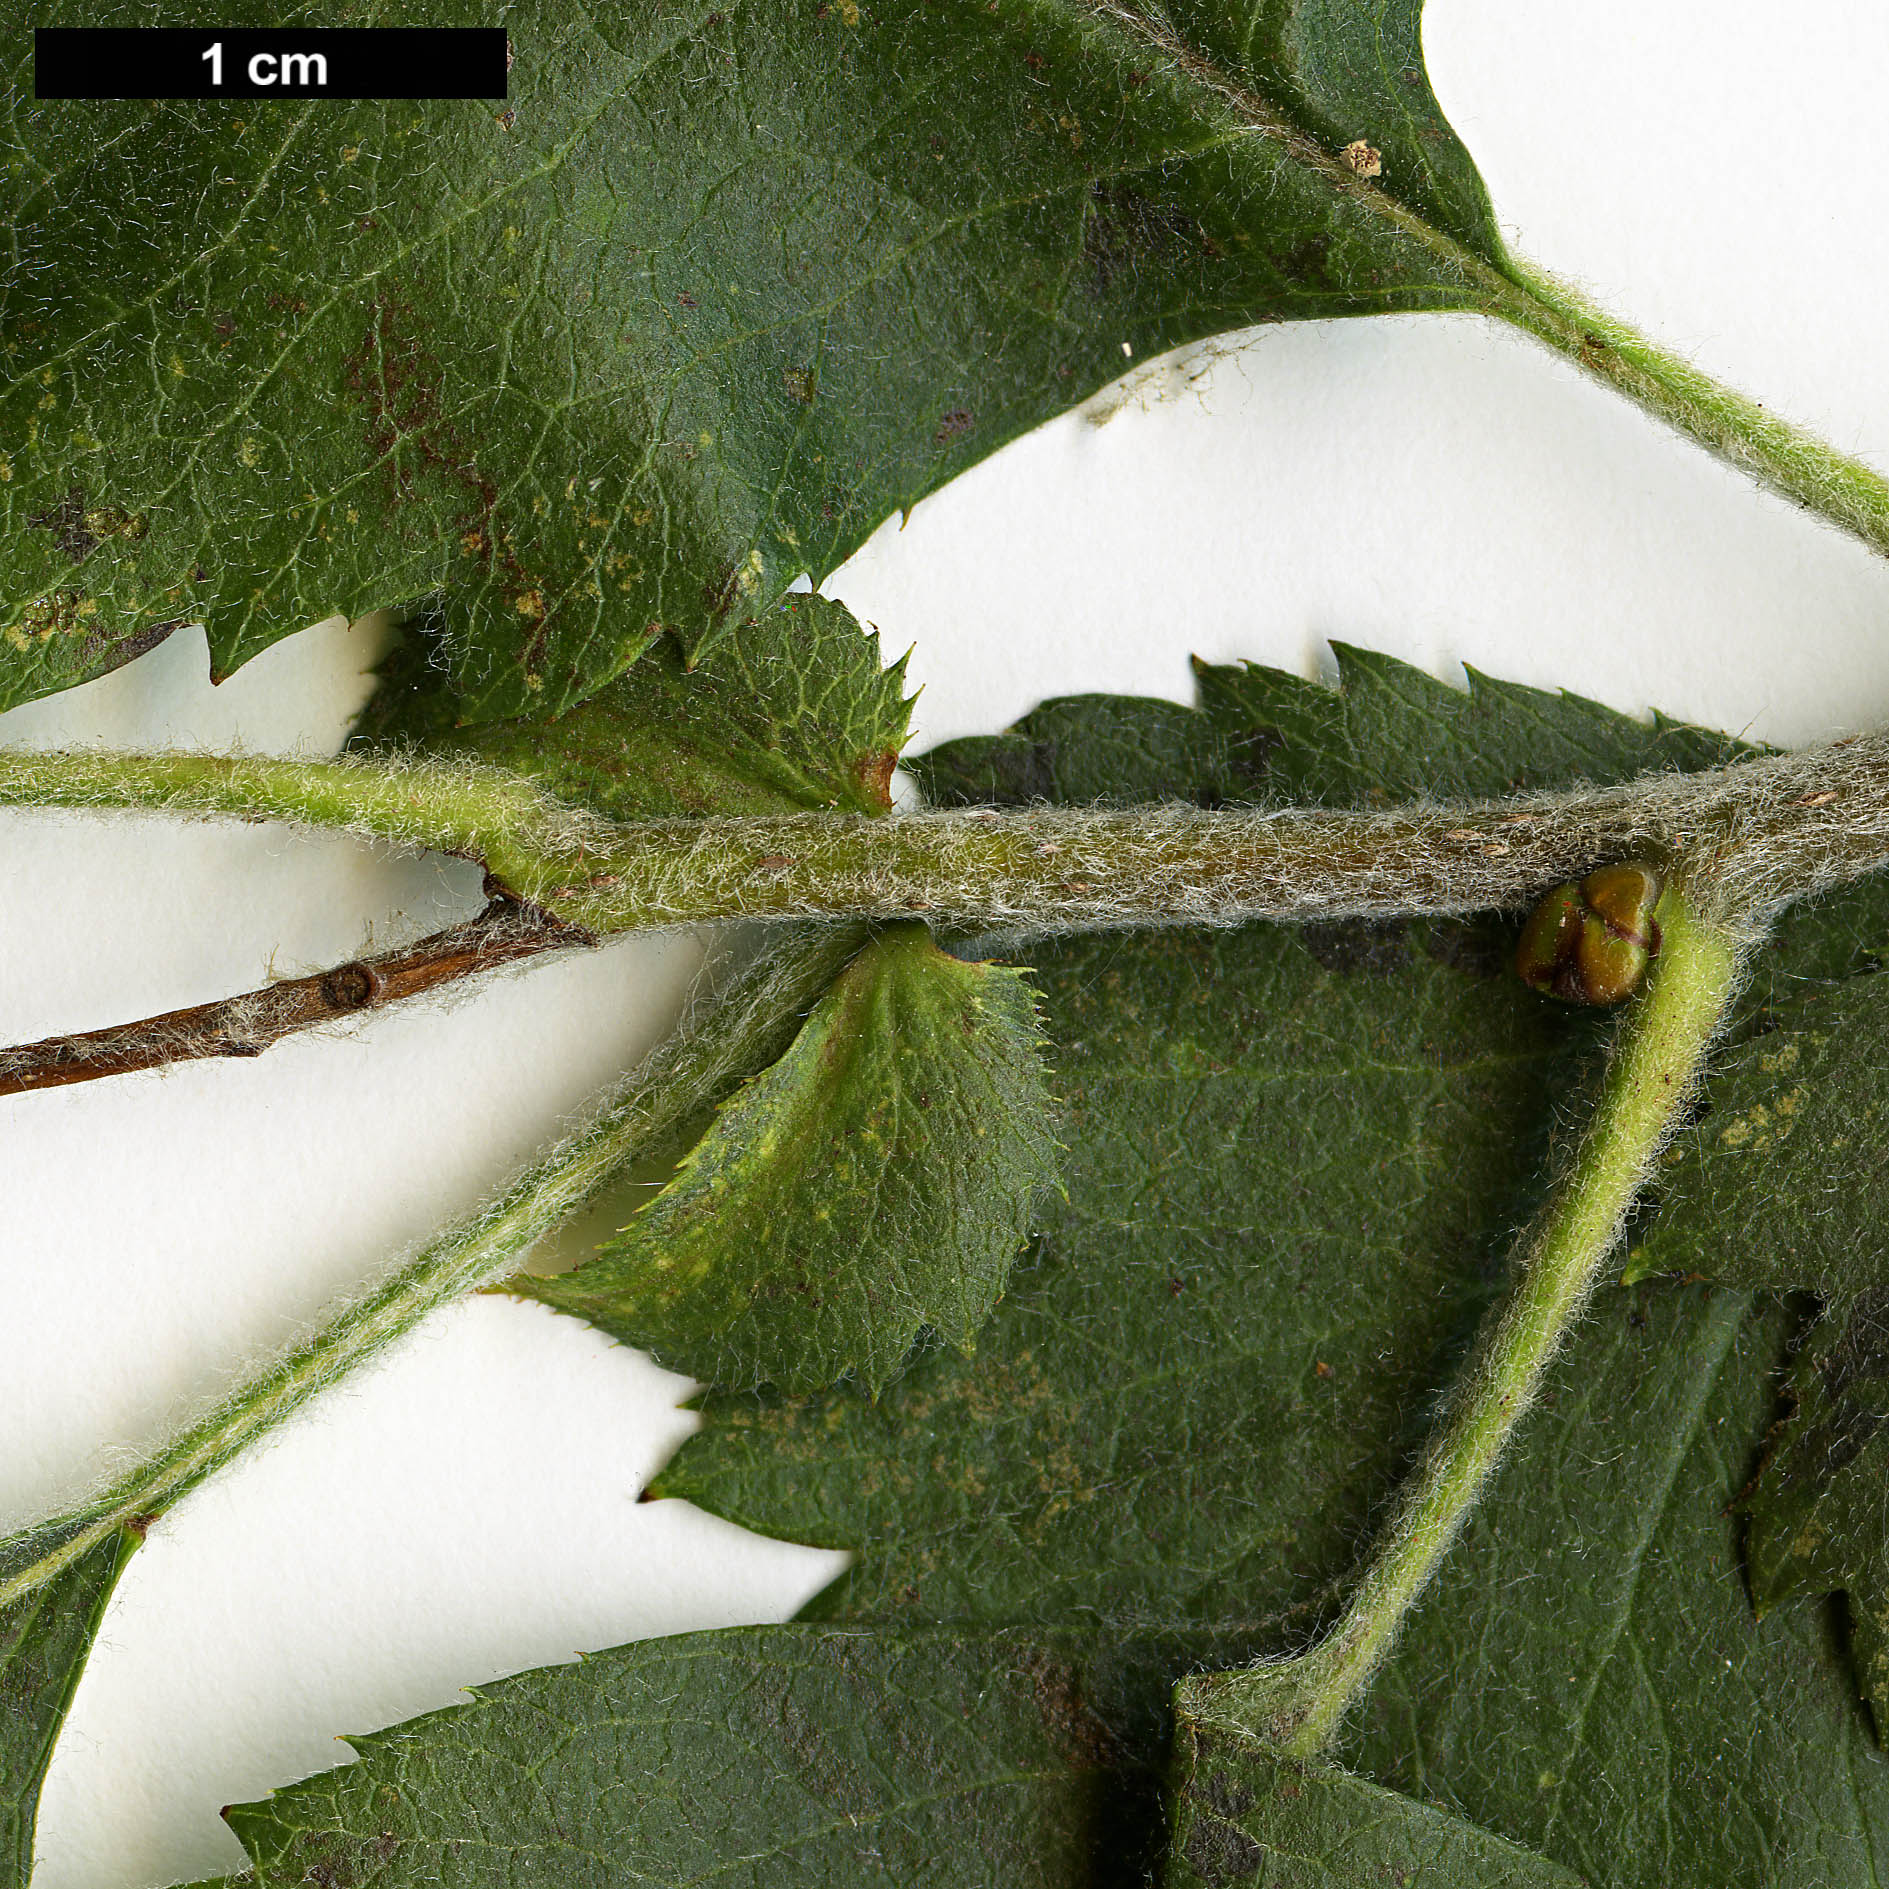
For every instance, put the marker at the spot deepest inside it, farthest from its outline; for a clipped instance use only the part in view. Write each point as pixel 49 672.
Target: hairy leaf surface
pixel 1296 1162
pixel 711 295
pixel 1586 1677
pixel 1784 1183
pixel 45 1639
pixel 1387 732
pixel 752 1757
pixel 878 1179
pixel 1819 1511
pixel 1292 1166
pixel 1244 1815
pixel 789 711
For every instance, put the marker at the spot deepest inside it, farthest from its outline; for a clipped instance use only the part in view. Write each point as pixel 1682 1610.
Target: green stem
pixel 748 1026
pixel 1736 428
pixel 1498 282
pixel 1298 1704
pixel 1785 825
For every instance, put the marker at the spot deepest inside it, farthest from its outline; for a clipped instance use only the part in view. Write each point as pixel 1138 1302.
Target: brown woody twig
pixel 246 1025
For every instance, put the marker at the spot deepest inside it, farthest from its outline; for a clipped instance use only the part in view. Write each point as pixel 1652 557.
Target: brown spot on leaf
pixel 954 425
pixel 399 384
pixel 330 1866
pixel 65 524
pixel 799 382
pixel 101 646
pixel 1221 1854
pixel 1077 1732
pixel 1362 159
pixel 1125 232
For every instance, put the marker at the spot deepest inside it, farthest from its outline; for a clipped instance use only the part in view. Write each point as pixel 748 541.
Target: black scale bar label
pixel 415 62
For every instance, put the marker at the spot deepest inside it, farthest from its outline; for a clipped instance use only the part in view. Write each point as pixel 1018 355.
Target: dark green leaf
pixel 707 299
pixel 1292 1164
pixel 1387 732
pixel 1586 1677
pixel 1391 732
pixel 44 1641
pixel 1785 1181
pixel 1244 1816
pixel 751 1758
pixel 1295 1163
pixel 877 1179
pixel 1820 1508
pixel 1081 749
pixel 788 711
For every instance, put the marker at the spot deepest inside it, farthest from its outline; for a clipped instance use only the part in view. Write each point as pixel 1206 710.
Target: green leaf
pixel 1387 732
pixel 1244 1815
pixel 788 711
pixel 1820 1507
pixel 1086 749
pixel 752 1757
pixel 1586 1678
pixel 1295 1162
pixel 44 1641
pixel 703 303
pixel 877 1179
pixel 1290 1162
pixel 1782 1183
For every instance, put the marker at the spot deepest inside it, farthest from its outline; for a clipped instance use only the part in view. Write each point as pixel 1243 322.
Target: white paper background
pixel 1428 486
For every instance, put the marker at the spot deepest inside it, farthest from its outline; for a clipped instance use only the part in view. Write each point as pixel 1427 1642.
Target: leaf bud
pixel 1590 943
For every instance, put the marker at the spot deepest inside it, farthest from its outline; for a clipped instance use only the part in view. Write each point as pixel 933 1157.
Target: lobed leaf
pixel 878 1179
pixel 1295 1163
pixel 789 711
pixel 708 298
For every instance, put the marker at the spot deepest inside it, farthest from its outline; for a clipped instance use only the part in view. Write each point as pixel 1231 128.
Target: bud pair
pixel 1591 943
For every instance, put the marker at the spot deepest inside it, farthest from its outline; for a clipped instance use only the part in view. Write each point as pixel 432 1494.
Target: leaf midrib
pixel 1258 114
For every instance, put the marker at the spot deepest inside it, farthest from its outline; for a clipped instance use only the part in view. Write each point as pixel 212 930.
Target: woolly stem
pixel 1736 428
pixel 1298 1704
pixel 750 1025
pixel 1775 828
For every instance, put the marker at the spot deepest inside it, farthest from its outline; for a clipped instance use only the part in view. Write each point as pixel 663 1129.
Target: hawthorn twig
pixel 734 1034
pixel 1298 1705
pixel 246 1025
pixel 1759 832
